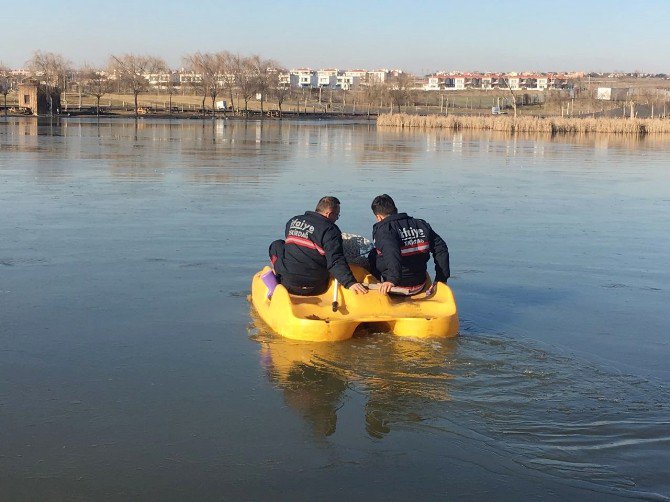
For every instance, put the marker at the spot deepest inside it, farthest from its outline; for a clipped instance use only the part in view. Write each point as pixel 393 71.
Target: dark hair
pixel 383 205
pixel 327 203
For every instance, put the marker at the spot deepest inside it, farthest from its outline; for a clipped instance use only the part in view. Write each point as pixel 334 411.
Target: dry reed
pixel 506 123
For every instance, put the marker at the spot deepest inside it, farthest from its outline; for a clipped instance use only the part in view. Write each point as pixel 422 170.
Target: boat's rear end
pixel 312 318
pixel 308 318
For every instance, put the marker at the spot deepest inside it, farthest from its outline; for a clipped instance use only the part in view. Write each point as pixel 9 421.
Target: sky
pixel 417 36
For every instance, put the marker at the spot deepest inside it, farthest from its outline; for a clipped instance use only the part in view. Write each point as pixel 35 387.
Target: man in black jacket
pixel 402 248
pixel 312 252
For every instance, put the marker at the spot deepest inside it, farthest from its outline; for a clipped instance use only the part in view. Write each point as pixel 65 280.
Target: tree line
pixel 214 75
pixel 239 78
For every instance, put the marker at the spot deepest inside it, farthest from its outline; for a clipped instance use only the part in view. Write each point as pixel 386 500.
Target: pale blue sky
pixel 420 36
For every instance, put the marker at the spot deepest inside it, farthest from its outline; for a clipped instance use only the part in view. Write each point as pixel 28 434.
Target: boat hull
pixel 311 318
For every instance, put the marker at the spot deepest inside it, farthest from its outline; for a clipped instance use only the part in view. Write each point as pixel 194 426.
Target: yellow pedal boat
pixel 312 318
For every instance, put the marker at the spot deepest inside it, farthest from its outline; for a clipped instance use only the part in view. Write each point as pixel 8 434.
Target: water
pixel 132 366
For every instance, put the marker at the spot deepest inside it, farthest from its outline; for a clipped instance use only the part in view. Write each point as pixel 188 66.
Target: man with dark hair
pixel 312 252
pixel 402 248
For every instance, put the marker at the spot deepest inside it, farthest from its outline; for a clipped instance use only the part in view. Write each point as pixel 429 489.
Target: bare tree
pixel 372 93
pixel 227 62
pixel 210 68
pixel 50 68
pixel 133 71
pixel 171 89
pixel 198 85
pixel 266 74
pixel 509 88
pixel 279 90
pixel 5 83
pixel 194 62
pixel 96 83
pixel 556 99
pixel 400 89
pixel 245 78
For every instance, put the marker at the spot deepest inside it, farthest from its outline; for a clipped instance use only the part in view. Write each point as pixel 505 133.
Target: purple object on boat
pixel 270 280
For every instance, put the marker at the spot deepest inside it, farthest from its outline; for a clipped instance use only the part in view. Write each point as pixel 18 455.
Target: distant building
pixel 489 82
pixel 306 77
pixel 452 82
pixel 348 82
pixel 21 73
pixel 163 80
pixel 433 83
pixel 288 80
pixel 612 93
pixel 456 81
pixel 39 99
pixel 189 78
pixel 377 76
pixel 327 78
pixel 360 74
pixel 514 83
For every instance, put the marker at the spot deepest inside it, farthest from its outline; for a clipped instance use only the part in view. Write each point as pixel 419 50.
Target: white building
pixel 306 77
pixel 288 80
pixel 443 82
pixel 489 82
pixel 612 93
pixel 189 77
pixel 514 83
pixel 348 82
pixel 163 79
pixel 377 76
pixel 225 79
pixel 433 84
pixel 327 78
pixel 19 74
pixel 360 74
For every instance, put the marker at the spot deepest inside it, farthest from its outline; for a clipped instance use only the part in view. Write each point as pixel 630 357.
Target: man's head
pixel 383 206
pixel 329 207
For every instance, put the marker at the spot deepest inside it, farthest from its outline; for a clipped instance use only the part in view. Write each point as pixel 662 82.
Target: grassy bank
pixel 551 125
pixel 151 104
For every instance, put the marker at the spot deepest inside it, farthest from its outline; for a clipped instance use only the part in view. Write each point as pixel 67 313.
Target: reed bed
pixel 505 123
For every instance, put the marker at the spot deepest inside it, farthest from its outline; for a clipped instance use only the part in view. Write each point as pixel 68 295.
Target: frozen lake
pixel 131 366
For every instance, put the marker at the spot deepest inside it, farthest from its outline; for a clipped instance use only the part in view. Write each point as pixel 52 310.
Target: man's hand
pixel 358 288
pixel 386 287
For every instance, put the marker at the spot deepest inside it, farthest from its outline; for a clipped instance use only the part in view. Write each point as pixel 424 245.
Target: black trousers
pixel 372 264
pixel 376 263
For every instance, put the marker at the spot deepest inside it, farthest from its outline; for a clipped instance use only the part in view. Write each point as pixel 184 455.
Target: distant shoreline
pixel 525 124
pixel 501 123
pixel 251 115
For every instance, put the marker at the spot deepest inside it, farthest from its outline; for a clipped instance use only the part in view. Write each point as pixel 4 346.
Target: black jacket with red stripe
pixel 313 251
pixel 404 245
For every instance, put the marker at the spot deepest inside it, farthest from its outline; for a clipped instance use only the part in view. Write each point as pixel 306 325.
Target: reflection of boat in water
pixel 312 389
pixel 315 318
pixel 400 379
